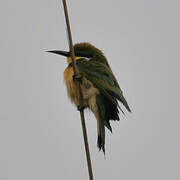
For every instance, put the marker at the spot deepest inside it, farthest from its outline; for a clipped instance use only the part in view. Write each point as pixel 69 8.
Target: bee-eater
pixel 100 89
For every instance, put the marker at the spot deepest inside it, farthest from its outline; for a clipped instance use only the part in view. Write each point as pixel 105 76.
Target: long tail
pixel 101 123
pixel 106 111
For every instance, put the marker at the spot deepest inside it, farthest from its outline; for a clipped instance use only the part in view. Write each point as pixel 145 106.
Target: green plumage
pixel 97 70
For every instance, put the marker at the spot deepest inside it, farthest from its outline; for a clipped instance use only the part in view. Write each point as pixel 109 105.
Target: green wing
pixel 102 78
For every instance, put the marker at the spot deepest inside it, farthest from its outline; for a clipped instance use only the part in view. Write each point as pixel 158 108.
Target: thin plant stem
pixel 88 157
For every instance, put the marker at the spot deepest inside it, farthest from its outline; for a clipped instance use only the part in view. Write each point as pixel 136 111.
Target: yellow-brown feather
pixel 89 92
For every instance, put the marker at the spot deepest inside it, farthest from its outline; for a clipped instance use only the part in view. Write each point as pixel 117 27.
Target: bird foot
pixel 77 77
pixel 80 108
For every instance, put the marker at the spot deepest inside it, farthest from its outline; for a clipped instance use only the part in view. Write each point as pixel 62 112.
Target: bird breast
pixel 89 92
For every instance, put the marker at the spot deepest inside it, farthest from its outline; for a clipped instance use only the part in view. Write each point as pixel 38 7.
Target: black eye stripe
pixel 83 54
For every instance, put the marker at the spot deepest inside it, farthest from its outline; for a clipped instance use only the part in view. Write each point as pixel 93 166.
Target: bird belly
pixel 89 93
pixel 87 88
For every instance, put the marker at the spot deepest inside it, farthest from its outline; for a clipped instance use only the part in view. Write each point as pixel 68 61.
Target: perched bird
pixel 100 89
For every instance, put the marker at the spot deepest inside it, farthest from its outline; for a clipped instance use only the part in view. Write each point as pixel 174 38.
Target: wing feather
pixel 102 78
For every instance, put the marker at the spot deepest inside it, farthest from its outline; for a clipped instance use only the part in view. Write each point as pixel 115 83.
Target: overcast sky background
pixel 40 131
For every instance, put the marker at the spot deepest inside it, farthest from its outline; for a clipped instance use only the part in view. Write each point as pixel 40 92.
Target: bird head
pixel 82 50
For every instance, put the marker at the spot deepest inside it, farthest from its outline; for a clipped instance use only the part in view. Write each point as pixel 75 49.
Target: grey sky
pixel 40 132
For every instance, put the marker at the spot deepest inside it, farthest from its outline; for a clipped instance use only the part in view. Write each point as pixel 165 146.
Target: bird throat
pixel 69 59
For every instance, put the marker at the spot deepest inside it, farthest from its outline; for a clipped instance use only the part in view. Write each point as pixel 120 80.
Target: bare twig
pixel 80 92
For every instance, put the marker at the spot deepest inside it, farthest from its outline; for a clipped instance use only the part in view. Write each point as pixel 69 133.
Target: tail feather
pixel 106 111
pixel 101 119
pixel 101 143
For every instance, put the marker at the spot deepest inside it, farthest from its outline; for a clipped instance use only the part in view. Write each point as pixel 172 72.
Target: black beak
pixel 63 53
